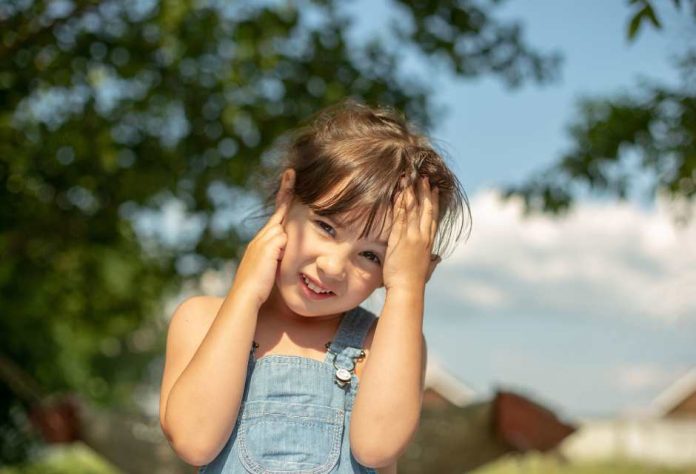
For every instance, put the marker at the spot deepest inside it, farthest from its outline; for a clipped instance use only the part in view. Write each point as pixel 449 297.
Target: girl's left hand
pixel 408 261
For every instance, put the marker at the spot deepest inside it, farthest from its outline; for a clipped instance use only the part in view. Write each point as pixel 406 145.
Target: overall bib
pixel 295 411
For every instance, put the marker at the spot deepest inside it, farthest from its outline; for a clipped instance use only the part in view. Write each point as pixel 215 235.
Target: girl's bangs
pixel 360 201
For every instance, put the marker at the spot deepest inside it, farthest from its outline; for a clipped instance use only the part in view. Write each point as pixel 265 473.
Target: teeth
pixel 313 287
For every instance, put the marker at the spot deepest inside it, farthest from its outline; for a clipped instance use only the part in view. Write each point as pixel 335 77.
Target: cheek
pixel 301 238
pixel 296 244
pixel 369 278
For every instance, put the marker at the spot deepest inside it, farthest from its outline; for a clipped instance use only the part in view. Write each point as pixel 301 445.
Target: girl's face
pixel 332 256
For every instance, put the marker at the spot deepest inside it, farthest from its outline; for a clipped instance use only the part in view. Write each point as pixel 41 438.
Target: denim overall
pixel 295 411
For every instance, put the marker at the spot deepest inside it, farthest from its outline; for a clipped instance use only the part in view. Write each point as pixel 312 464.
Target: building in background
pixel 663 434
pixel 442 388
pixel 679 399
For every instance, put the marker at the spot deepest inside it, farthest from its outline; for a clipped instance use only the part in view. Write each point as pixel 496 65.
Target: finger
pixel 423 188
pixel 435 200
pixel 399 215
pixel 426 206
pixel 398 221
pixel 409 196
pixel 284 197
pixel 411 207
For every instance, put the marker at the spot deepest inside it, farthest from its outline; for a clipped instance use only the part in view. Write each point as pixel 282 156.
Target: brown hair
pixel 364 151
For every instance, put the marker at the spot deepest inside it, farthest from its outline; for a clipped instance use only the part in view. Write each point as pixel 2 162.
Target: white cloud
pixel 601 259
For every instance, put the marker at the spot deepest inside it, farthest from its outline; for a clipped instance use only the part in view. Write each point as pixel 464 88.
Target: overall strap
pixel 347 344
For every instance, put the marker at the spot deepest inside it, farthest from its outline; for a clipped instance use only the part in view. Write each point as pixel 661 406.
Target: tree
pixel 110 109
pixel 656 124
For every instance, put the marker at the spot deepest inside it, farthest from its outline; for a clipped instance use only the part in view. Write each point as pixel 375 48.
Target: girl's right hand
pixel 256 272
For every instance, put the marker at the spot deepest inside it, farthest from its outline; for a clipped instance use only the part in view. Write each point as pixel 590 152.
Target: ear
pixel 288 173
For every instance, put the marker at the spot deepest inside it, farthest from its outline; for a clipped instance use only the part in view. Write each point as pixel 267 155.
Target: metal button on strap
pixel 343 375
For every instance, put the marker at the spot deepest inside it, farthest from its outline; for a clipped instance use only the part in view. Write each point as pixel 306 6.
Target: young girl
pixel 287 373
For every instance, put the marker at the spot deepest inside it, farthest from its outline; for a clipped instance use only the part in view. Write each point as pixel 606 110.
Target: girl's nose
pixel 332 266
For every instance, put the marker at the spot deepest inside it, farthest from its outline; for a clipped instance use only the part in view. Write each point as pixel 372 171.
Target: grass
pixel 547 464
pixel 71 459
pixel 79 459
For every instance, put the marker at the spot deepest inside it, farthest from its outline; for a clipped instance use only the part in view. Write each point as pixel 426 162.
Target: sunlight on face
pixel 332 255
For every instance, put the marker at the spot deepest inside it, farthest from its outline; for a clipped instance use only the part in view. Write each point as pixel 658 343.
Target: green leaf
pixel 650 14
pixel 634 25
pixel 645 13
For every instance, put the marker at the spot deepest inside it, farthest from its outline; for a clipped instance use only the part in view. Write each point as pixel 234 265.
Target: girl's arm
pixel 208 346
pixel 388 404
pixel 206 364
pixel 387 407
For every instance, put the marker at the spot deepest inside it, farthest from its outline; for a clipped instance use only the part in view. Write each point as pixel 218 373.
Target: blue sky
pixel 496 135
pixel 500 136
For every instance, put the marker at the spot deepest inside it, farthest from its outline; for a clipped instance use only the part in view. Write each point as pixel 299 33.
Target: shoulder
pixel 192 319
pixel 195 308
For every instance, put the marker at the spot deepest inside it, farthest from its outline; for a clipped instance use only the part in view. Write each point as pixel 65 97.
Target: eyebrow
pixel 340 226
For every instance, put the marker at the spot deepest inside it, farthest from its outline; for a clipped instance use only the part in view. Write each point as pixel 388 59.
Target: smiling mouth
pixel 306 279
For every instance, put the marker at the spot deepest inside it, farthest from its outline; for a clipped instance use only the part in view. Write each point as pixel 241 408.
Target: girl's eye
pixel 375 259
pixel 327 228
